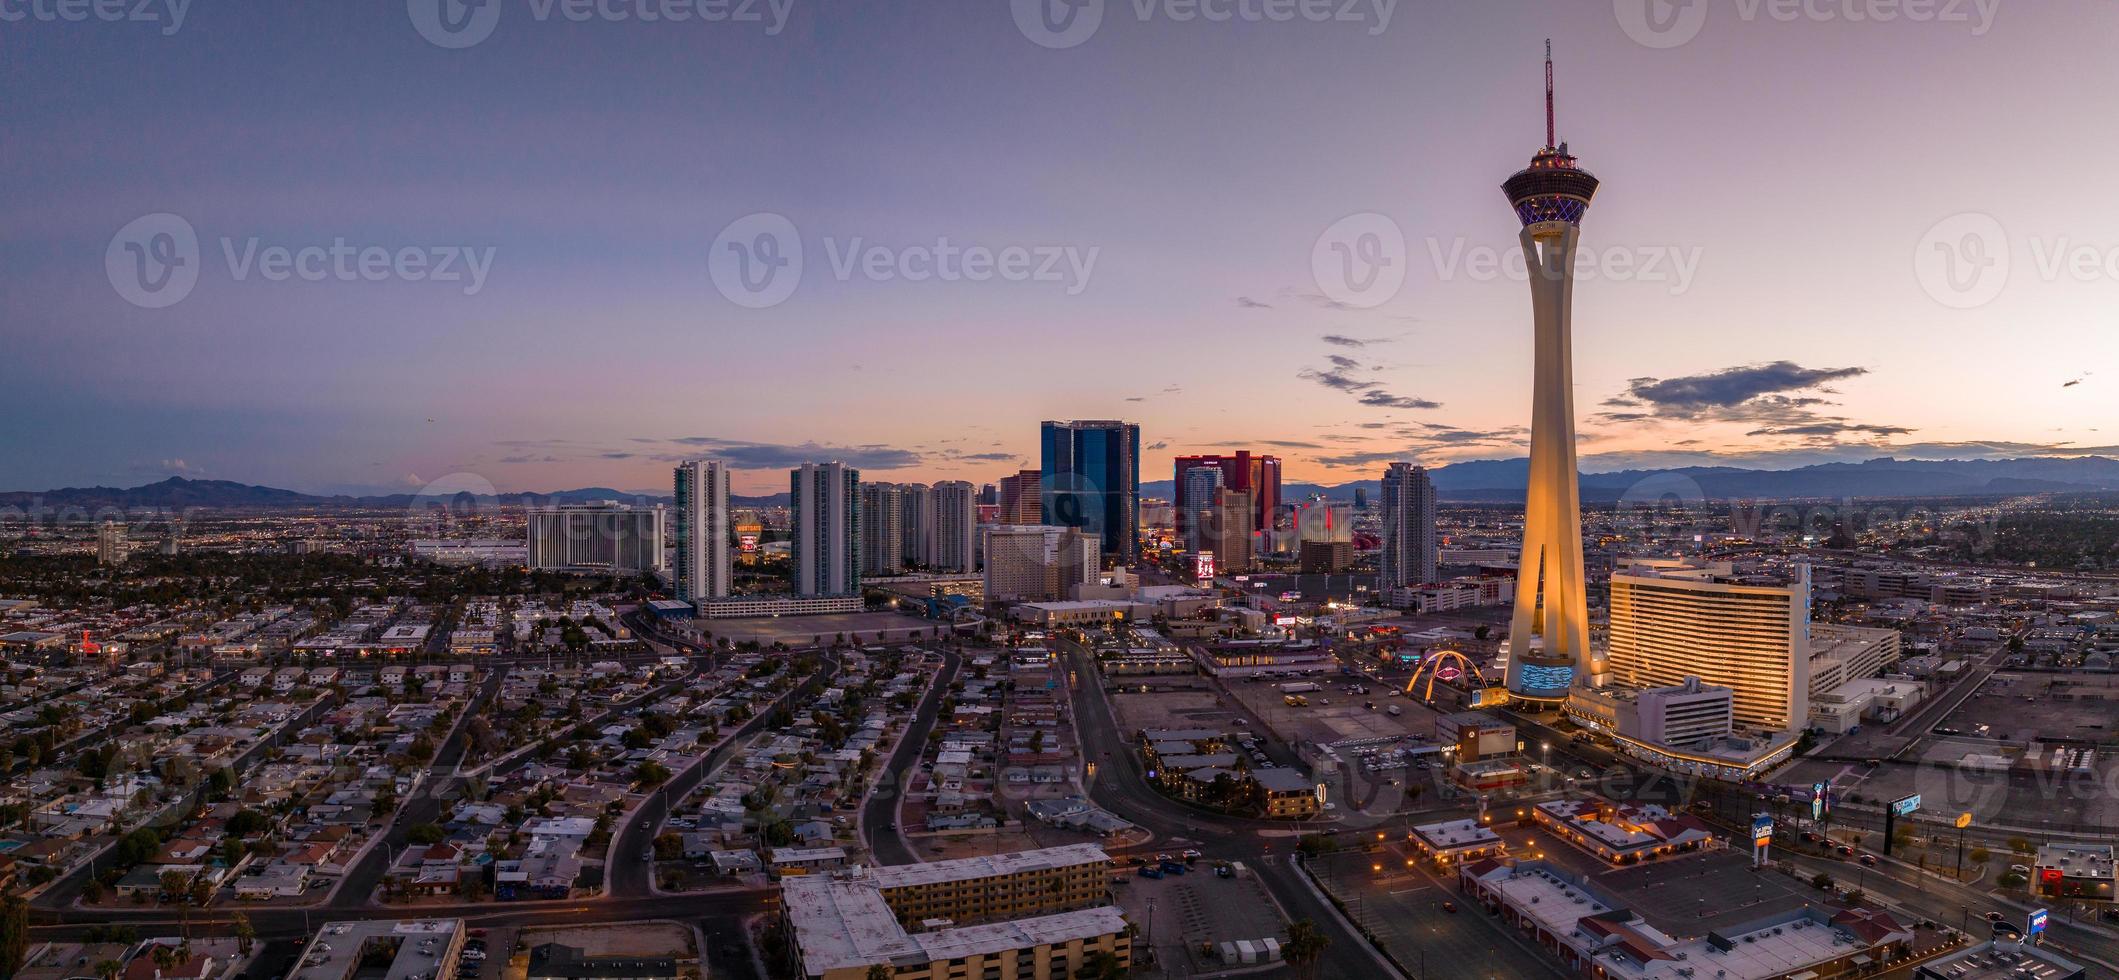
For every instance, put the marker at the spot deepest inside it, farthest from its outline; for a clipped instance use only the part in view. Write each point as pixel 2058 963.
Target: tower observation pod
pixel 1549 634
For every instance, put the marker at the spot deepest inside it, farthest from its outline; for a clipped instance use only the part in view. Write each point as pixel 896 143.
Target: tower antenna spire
pixel 1550 139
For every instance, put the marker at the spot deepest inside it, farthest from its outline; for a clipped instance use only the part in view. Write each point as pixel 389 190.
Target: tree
pixel 879 972
pixel 1099 965
pixel 1305 947
pixel 109 969
pixel 425 833
pixel 1821 880
pixel 14 934
pixel 1980 855
pixel 246 935
pixel 2019 845
pixel 651 774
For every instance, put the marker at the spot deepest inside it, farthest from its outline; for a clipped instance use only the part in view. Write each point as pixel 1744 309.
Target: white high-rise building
pixel 112 546
pixel 882 529
pixel 1548 637
pixel 956 523
pixel 1036 563
pixel 1673 620
pixel 826 539
pixel 916 517
pixel 703 535
pixel 1408 556
pixel 601 536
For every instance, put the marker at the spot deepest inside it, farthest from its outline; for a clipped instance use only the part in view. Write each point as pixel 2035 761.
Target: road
pixel 1121 787
pixel 1954 905
pixel 879 815
pixel 625 875
pixel 427 805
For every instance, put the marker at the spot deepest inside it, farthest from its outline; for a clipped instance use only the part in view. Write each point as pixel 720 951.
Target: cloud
pixel 1735 386
pixel 1336 379
pixel 1384 399
pixel 1831 428
pixel 1343 362
pixel 1341 340
pixel 1246 302
pixel 1776 400
pixel 745 455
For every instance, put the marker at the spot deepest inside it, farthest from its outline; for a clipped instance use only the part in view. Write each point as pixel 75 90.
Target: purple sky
pixel 1771 191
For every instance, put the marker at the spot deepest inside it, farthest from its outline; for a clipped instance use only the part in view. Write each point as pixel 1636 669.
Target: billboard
pixel 1818 792
pixel 1203 566
pixel 1761 830
pixel 1905 804
pixel 2037 922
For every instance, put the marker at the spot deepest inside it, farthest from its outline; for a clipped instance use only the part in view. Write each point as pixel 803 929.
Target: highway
pixel 879 814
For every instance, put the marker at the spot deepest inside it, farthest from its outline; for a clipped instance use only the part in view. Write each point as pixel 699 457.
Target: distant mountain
pixel 1497 480
pixel 1506 479
pixel 178 493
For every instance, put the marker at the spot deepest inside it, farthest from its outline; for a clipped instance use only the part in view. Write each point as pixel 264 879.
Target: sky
pixel 557 247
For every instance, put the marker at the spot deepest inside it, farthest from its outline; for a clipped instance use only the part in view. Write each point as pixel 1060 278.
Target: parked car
pixel 1155 873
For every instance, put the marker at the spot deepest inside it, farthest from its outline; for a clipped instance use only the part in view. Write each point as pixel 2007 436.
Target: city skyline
pixel 1785 342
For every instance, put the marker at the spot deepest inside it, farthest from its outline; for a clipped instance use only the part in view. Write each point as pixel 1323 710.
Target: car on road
pixel 1994 917
pixel 1450 907
pixel 1224 871
pixel 1846 850
pixel 1868 860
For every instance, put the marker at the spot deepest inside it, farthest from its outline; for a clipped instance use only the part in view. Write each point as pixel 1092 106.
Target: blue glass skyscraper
pixel 1091 480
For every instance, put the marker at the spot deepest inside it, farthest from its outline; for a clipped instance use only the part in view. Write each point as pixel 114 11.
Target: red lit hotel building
pixel 1257 475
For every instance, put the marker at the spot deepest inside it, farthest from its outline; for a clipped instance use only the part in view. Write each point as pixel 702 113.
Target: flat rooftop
pixel 983 866
pixel 843 921
pixel 335 952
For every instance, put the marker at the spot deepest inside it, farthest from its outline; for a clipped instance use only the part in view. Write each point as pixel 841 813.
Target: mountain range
pixel 1499 481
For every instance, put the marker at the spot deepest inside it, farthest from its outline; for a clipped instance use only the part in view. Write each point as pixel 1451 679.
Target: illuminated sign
pixel 1904 805
pixel 1542 677
pixel 1203 566
pixel 2037 922
pixel 1817 800
pixel 1447 674
pixel 1761 830
pixel 1964 820
pixel 1283 620
pixel 747 542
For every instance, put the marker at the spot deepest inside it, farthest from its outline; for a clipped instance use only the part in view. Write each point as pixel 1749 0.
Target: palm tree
pixel 109 969
pixel 1305 947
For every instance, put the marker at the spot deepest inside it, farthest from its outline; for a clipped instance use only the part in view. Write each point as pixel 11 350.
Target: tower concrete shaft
pixel 1549 634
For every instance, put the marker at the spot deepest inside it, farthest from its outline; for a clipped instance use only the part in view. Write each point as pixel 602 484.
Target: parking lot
pixel 1194 913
